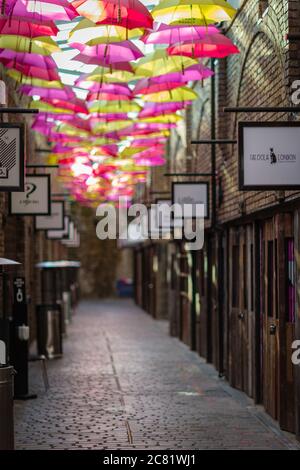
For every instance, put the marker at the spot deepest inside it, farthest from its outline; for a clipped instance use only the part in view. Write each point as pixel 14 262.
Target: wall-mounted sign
pixel 269 155
pixel 191 194
pixel 60 234
pixel 35 199
pixel 11 157
pixel 55 221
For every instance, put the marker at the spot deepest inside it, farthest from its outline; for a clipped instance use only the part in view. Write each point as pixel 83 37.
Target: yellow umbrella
pixel 48 108
pixel 160 63
pixel 192 12
pixel 19 77
pixel 129 151
pixel 164 118
pixel 178 94
pixel 43 45
pixel 104 127
pixel 68 129
pixel 102 74
pixel 114 107
pixel 89 33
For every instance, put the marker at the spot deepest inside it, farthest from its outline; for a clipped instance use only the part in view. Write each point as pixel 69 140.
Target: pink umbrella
pixel 26 58
pixel 34 72
pixel 48 93
pixel 61 10
pixel 155 150
pixel 148 142
pixel 215 45
pixel 107 54
pixel 192 73
pixel 30 29
pixel 118 88
pixel 146 86
pixel 156 109
pixel 150 161
pixel 168 34
pixel 108 117
pixel 107 97
pixel 142 128
pixel 73 103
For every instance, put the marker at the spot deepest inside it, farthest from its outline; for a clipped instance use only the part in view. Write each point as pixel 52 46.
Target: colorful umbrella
pixel 159 62
pixel 39 10
pixel 43 45
pixel 31 29
pixel 107 54
pixel 73 104
pixel 146 86
pixel 118 88
pixel 88 33
pixel 192 12
pixel 130 14
pixel 45 107
pixel 104 75
pixel 166 34
pixel 26 58
pixel 156 109
pixel 162 118
pixel 192 73
pixel 32 71
pixel 179 94
pixel 114 107
pixel 48 93
pixel 216 45
pixel 28 80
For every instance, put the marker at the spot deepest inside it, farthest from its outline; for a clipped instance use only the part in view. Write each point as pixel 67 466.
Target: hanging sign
pixel 191 195
pixel 55 221
pixel 269 155
pixel 11 157
pixel 60 234
pixel 35 199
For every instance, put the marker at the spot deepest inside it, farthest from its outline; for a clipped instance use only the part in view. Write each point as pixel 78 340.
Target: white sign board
pixel 269 155
pixel 11 157
pixel 191 195
pixel 55 221
pixel 35 199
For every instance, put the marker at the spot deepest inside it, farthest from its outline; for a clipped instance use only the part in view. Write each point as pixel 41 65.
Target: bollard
pixel 6 408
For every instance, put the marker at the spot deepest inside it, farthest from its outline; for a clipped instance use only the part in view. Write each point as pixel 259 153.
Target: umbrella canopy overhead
pixel 107 54
pixel 215 45
pixel 30 28
pixel 168 34
pixel 39 10
pixel 88 33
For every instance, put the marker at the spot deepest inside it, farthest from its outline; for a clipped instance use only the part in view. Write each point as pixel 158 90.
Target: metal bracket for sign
pixel 159 192
pixel 214 141
pixel 263 109
pixel 43 150
pixel 18 111
pixel 42 166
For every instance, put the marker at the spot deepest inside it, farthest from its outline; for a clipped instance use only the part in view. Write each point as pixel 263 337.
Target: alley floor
pixel 123 383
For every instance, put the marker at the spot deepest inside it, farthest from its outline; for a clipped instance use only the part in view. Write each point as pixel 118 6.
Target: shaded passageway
pixel 123 383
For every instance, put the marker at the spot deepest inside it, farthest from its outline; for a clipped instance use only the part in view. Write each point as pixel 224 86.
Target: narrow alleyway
pixel 123 383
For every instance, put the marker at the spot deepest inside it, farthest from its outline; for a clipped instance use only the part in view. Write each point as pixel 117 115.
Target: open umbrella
pixel 159 62
pixel 179 94
pixel 32 71
pixel 156 109
pixel 88 33
pixel 107 54
pixel 146 86
pixel 39 10
pixel 29 28
pixel 172 117
pixel 45 107
pixel 43 45
pixel 48 93
pixel 104 75
pixel 168 34
pixel 28 80
pixel 215 45
pixel 26 58
pixel 114 107
pixel 192 73
pixel 192 12
pixel 128 13
pixel 117 88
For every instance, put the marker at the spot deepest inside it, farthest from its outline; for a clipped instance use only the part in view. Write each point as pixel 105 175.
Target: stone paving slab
pixel 123 383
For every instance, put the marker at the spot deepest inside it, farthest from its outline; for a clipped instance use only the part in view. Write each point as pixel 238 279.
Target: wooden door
pixel 241 306
pixel 201 299
pixel 185 300
pixel 278 318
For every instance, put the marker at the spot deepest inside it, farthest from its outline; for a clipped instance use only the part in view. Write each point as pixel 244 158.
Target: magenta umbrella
pixel 168 34
pixel 114 88
pixel 26 58
pixel 145 128
pixel 44 118
pixel 146 86
pixel 107 54
pixel 29 28
pixel 150 161
pixel 107 117
pixel 192 73
pixel 156 109
pixel 152 141
pixel 38 10
pixel 34 72
pixel 49 93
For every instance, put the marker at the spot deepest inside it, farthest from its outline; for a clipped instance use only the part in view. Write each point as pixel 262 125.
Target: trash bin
pixel 49 330
pixel 6 408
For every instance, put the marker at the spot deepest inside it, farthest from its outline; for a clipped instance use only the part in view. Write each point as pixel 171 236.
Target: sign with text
pixel 11 157
pixel 269 155
pixel 191 195
pixel 55 221
pixel 35 199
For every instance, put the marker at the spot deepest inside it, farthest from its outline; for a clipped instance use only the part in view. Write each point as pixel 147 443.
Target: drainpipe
pixel 213 147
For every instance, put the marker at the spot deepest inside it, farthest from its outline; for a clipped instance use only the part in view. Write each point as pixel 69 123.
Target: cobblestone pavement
pixel 123 383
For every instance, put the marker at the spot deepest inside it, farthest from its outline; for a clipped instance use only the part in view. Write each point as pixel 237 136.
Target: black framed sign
pixel 191 193
pixel 269 155
pixel 55 221
pixel 35 199
pixel 12 144
pixel 59 234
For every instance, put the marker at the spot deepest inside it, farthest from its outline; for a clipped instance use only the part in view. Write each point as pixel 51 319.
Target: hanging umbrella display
pixel 146 86
pixel 114 107
pixel 115 88
pixel 192 12
pixel 34 72
pixel 192 73
pixel 130 14
pixel 179 94
pixel 25 58
pixel 87 32
pixel 107 54
pixel 159 62
pixel 28 80
pixel 105 75
pixel 107 96
pixel 48 93
pixel 42 45
pixel 156 109
pixel 168 34
pixel 45 107
pixel 73 104
pixel 215 45
pixel 162 118
pixel 30 28
pixel 39 10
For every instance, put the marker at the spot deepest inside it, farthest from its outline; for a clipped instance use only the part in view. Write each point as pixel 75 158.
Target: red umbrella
pixel 74 104
pixel 128 13
pixel 106 97
pixel 34 72
pixel 146 86
pixel 215 45
pixel 29 28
